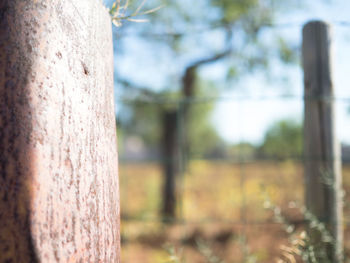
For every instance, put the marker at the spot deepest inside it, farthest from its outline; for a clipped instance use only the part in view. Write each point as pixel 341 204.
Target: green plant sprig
pixel 118 12
pixel 174 256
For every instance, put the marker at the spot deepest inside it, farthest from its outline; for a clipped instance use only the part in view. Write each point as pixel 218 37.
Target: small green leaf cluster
pixel 119 12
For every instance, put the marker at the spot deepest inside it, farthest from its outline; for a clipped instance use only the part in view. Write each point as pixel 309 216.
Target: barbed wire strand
pixel 201 30
pixel 209 99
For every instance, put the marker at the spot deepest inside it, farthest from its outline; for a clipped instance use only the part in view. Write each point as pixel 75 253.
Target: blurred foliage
pixel 204 140
pixel 283 140
pixel 144 120
pixel 287 52
pixel 187 30
pixel 242 151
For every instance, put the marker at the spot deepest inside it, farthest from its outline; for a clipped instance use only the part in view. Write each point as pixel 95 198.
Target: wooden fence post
pixel 59 198
pixel 323 180
pixel 170 163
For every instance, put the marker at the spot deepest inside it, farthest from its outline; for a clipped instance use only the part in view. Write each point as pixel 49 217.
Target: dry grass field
pixel 220 211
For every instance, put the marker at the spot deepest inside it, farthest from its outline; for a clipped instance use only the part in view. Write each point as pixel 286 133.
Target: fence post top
pixel 317 27
pixel 316 22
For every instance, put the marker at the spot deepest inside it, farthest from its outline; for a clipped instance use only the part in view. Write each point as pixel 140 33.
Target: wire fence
pixel 238 158
pixel 206 29
pixel 226 189
pixel 226 185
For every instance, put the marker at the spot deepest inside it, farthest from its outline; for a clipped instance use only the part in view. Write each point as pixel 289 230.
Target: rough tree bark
pixel 59 198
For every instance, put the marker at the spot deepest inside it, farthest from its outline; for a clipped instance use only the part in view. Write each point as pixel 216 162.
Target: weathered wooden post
pixel 170 164
pixel 59 198
pixel 322 151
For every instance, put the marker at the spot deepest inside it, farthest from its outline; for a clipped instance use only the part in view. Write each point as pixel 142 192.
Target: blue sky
pixel 248 120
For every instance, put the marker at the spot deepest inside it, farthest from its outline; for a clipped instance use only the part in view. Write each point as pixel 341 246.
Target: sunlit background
pixel 238 135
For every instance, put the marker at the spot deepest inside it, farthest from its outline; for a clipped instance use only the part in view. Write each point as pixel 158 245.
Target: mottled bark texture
pixel 59 198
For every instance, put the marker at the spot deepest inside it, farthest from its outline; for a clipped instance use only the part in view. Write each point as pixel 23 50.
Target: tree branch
pixel 189 76
pixel 210 59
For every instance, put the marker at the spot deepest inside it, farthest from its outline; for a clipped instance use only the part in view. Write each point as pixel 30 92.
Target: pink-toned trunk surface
pixel 59 197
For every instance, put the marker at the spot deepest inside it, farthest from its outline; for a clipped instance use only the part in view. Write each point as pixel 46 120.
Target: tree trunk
pixel 59 198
